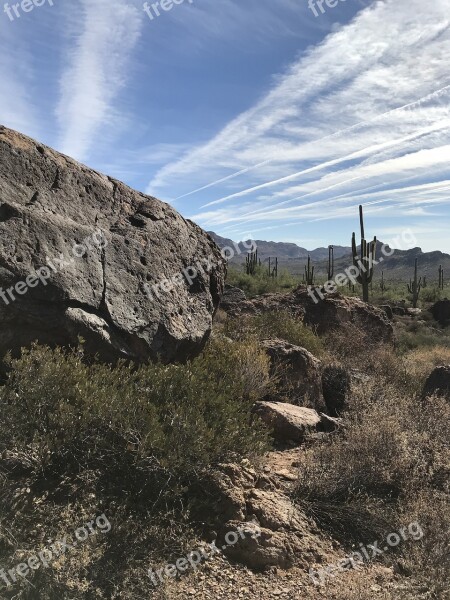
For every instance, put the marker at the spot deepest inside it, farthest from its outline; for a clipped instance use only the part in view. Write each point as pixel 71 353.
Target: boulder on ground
pixel 388 310
pixel 298 373
pixel 441 312
pixel 260 526
pixel 335 310
pixel 438 383
pixel 232 297
pixel 82 254
pixel 288 422
pixel 336 383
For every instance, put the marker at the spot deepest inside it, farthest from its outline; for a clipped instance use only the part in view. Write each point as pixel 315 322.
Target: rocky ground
pixel 224 579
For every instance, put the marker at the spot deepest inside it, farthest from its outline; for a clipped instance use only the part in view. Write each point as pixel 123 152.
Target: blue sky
pixel 252 117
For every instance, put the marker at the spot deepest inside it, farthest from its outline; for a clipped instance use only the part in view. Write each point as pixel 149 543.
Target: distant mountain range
pixel 282 250
pixel 399 266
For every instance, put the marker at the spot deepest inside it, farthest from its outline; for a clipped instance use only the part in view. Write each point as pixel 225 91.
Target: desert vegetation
pixel 140 443
pixel 136 441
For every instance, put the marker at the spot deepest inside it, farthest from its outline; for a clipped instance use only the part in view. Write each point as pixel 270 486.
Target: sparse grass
pixel 421 361
pixel 389 465
pixel 276 324
pixel 414 334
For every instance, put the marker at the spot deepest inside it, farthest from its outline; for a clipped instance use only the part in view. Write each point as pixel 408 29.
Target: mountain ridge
pixel 399 265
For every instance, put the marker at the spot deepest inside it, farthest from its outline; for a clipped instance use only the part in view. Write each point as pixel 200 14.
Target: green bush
pixel 260 282
pixel 181 418
pixel 135 442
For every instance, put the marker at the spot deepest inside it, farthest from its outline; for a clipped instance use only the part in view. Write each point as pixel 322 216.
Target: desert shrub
pixel 367 480
pixel 383 456
pixel 135 442
pixel 276 324
pixel 421 361
pixel 351 346
pixel 183 417
pixel 260 282
pixel 336 387
pixel 428 560
pixel 419 334
pixel 431 294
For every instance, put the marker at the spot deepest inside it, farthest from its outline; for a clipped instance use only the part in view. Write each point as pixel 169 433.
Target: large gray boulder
pixel 82 254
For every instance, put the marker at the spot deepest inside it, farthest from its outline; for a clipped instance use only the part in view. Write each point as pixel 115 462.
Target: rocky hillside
pixel 284 251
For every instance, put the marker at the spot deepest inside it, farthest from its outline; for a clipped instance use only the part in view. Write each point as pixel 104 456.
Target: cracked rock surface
pixel 51 209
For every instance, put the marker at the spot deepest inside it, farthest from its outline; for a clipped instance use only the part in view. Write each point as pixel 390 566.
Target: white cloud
pixel 96 71
pixel 16 102
pixel 366 108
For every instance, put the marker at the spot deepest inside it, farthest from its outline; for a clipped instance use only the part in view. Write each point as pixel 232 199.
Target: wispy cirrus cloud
pixel 368 107
pixel 98 55
pixel 16 99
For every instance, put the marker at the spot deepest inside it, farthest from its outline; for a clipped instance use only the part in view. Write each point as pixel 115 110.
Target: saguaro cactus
pixel 365 262
pixel 441 277
pixel 308 277
pixel 382 283
pixel 330 262
pixel 251 262
pixel 273 271
pixel 415 286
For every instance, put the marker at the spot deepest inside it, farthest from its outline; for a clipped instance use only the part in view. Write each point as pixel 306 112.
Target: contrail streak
pixel 430 96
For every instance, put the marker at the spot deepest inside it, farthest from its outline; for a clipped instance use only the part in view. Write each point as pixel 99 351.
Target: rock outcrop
pixel 441 312
pixel 388 310
pixel 323 314
pixel 297 372
pixel 82 254
pixel 289 423
pixel 438 383
pixel 271 530
pixel 232 297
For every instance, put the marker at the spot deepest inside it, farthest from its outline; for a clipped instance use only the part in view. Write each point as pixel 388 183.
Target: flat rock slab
pixel 126 295
pixel 287 421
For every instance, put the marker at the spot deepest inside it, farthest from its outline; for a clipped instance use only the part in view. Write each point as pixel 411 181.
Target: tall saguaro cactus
pixel 309 273
pixel 330 262
pixel 441 277
pixel 251 262
pixel 366 261
pixel 415 286
pixel 273 271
